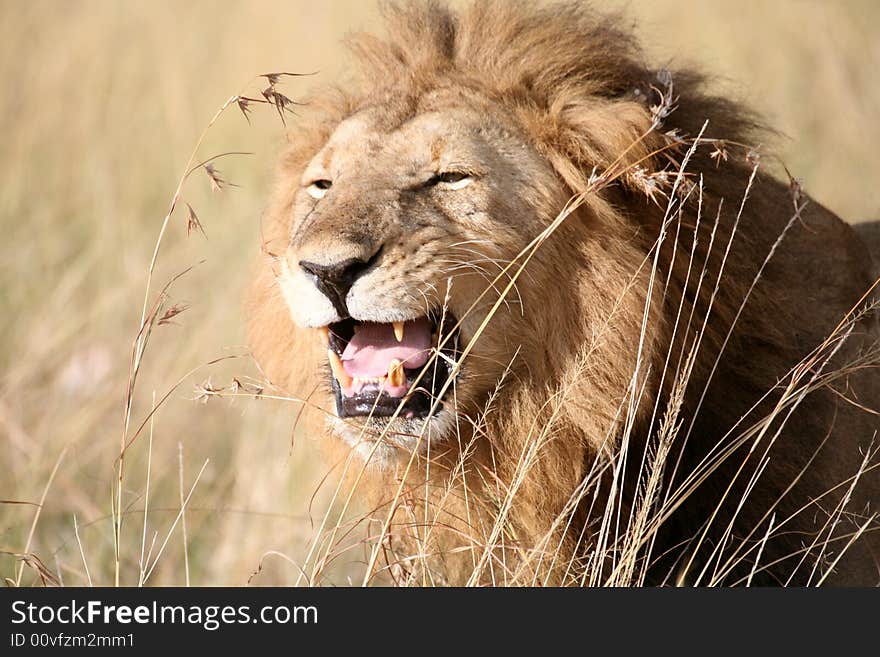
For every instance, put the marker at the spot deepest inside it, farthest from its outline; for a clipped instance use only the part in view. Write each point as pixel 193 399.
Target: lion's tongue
pixel 373 347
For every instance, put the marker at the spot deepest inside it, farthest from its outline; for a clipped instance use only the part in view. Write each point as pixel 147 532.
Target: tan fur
pixel 543 98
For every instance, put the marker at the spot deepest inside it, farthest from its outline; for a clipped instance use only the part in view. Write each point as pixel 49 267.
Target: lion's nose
pixel 335 279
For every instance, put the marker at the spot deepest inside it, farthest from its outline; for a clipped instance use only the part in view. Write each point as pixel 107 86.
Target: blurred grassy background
pixel 102 102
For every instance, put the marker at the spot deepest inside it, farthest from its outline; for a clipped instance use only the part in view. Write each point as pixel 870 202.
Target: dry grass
pixel 104 103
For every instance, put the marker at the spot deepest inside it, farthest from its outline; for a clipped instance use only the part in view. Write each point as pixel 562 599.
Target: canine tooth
pixel 398 330
pixel 342 377
pixel 396 376
pixel 325 331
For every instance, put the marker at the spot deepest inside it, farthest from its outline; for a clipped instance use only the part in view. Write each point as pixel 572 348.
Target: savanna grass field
pixel 102 106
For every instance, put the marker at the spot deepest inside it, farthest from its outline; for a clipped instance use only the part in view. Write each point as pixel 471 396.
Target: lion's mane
pixel 757 291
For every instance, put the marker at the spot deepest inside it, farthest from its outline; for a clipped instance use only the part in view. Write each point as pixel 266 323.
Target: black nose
pixel 336 279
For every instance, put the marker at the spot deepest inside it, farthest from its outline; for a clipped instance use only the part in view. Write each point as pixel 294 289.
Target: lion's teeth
pixel 338 370
pixel 325 332
pixel 364 380
pixel 398 330
pixel 396 375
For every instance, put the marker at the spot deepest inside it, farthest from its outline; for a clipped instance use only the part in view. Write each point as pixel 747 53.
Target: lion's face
pixel 396 237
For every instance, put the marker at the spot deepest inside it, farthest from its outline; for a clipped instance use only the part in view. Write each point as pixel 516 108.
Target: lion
pixel 558 320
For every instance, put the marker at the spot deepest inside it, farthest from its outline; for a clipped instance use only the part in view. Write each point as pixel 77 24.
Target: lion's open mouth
pixel 377 369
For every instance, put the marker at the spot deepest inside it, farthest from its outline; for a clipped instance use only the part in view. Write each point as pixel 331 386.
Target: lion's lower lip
pixel 372 404
pixel 384 352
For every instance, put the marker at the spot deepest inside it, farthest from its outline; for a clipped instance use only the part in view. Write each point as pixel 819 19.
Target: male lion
pixel 565 333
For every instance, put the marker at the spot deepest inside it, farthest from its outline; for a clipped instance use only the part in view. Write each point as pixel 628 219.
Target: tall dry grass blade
pixel 183 515
pixel 82 553
pixel 761 545
pixel 176 520
pixel 142 562
pixel 39 510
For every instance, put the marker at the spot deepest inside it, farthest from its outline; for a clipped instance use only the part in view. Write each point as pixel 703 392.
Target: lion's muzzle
pixel 335 280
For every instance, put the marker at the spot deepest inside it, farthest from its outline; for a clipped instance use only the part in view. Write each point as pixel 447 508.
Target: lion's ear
pixel 623 139
pixel 609 138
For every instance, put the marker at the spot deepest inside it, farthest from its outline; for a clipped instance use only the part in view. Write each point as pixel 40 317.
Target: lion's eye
pixel 451 179
pixel 319 188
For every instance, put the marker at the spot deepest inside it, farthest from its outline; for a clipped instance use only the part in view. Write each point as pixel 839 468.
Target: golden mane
pixel 686 323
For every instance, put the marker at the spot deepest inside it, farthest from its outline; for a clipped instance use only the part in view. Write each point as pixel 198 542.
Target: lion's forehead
pixel 432 138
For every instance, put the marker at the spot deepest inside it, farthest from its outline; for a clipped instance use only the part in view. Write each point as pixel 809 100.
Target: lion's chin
pixel 384 443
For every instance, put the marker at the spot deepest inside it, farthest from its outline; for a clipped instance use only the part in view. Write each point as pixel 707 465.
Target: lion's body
pixel 621 349
pixel 869 233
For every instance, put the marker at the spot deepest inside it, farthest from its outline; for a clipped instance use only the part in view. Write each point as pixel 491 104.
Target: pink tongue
pixel 374 346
